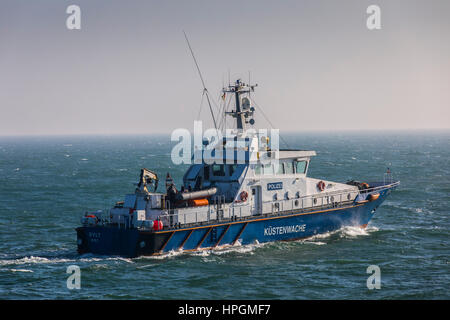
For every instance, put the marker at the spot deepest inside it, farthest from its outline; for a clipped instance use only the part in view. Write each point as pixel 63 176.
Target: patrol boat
pixel 254 194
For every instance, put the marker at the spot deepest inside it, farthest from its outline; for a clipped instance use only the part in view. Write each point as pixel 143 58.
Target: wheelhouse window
pixel 258 169
pixel 301 167
pixel 288 168
pixel 279 169
pixel 206 172
pixel 268 169
pixel 218 170
pixel 231 169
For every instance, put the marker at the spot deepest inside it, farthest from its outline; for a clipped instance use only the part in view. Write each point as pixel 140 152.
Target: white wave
pixel 165 255
pixel 345 232
pixel 21 270
pixel 317 243
pixel 84 159
pixel 90 258
pixel 31 260
pixel 206 252
pixel 353 232
pixel 42 260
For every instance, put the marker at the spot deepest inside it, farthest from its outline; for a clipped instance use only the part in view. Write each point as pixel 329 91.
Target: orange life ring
pixel 92 216
pixel 374 196
pixel 321 185
pixel 243 195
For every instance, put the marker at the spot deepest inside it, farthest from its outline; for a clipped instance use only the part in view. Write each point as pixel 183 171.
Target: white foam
pixel 21 270
pixel 353 232
pixel 165 255
pixel 345 232
pixel 31 260
pixel 206 252
pixel 42 260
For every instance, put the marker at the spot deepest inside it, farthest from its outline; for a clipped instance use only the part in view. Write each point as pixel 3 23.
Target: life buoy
pixel 92 216
pixel 374 196
pixel 243 195
pixel 321 185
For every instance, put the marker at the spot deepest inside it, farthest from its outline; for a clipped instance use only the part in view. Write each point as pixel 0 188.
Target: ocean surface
pixel 46 184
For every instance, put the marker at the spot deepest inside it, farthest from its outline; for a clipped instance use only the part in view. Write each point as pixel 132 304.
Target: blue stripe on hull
pixel 131 242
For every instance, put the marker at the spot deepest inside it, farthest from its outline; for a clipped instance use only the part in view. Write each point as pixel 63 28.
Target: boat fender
pixel 321 185
pixel 243 195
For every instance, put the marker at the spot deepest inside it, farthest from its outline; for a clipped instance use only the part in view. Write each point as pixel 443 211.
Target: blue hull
pixel 110 240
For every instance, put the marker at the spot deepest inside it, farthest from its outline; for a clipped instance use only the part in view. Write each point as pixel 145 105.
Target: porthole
pixel 296 203
pixel 315 201
pixel 348 196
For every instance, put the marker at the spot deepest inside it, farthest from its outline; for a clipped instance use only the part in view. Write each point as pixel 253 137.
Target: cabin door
pixel 256 200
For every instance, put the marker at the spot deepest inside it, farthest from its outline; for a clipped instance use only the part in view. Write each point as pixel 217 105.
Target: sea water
pixel 47 183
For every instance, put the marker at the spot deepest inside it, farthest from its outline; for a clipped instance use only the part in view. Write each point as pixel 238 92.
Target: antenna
pixel 201 78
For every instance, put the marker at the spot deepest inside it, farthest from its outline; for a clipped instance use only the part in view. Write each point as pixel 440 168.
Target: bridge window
pixel 257 169
pixel 288 168
pixel 268 169
pixel 301 167
pixel 206 172
pixel 231 169
pixel 218 170
pixel 280 168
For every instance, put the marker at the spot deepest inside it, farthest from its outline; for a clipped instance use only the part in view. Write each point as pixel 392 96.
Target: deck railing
pixel 218 210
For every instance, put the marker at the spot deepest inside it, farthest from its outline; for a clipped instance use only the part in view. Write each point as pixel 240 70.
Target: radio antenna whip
pixel 201 78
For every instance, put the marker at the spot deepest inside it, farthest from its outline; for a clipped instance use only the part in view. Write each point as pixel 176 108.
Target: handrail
pixel 235 210
pixel 386 186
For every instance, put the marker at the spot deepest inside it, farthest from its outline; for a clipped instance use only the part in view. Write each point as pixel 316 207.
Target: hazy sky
pixel 128 70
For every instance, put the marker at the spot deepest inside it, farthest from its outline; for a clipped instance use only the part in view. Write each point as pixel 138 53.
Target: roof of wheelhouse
pixel 290 153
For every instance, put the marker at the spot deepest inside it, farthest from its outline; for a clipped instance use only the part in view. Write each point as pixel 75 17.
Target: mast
pixel 243 111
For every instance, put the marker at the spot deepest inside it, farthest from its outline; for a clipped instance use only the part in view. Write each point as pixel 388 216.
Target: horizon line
pixel 168 133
